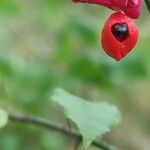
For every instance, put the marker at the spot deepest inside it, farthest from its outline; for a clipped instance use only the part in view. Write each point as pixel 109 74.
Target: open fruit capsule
pixel 119 35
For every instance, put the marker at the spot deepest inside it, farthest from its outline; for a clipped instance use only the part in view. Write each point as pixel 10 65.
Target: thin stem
pixel 147 2
pixel 53 126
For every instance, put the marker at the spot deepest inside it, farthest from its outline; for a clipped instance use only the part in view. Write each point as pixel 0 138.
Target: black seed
pixel 120 31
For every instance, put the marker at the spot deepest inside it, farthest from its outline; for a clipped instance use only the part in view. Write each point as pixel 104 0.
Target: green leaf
pixel 3 118
pixel 93 119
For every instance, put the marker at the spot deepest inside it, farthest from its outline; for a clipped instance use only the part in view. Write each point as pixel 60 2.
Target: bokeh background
pixel 54 43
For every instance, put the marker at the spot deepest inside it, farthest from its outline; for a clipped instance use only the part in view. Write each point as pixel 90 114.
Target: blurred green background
pixel 49 43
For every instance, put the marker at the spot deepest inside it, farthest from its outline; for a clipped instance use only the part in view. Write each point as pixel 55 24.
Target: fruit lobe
pixel 119 35
pixel 131 8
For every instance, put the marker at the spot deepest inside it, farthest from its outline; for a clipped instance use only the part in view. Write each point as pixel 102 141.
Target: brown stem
pixel 53 126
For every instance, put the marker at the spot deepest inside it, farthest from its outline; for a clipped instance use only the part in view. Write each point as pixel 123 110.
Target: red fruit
pixel 119 35
pixel 131 8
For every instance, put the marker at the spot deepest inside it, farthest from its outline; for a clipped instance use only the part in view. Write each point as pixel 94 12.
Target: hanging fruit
pixel 119 35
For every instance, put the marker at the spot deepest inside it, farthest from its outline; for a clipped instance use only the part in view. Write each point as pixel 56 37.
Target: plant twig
pixel 147 2
pixel 25 119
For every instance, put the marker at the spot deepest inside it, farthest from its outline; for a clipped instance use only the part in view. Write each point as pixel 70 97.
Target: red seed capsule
pixel 119 35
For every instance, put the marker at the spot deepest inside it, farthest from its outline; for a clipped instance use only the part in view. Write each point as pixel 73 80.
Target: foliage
pixel 92 119
pixel 3 118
